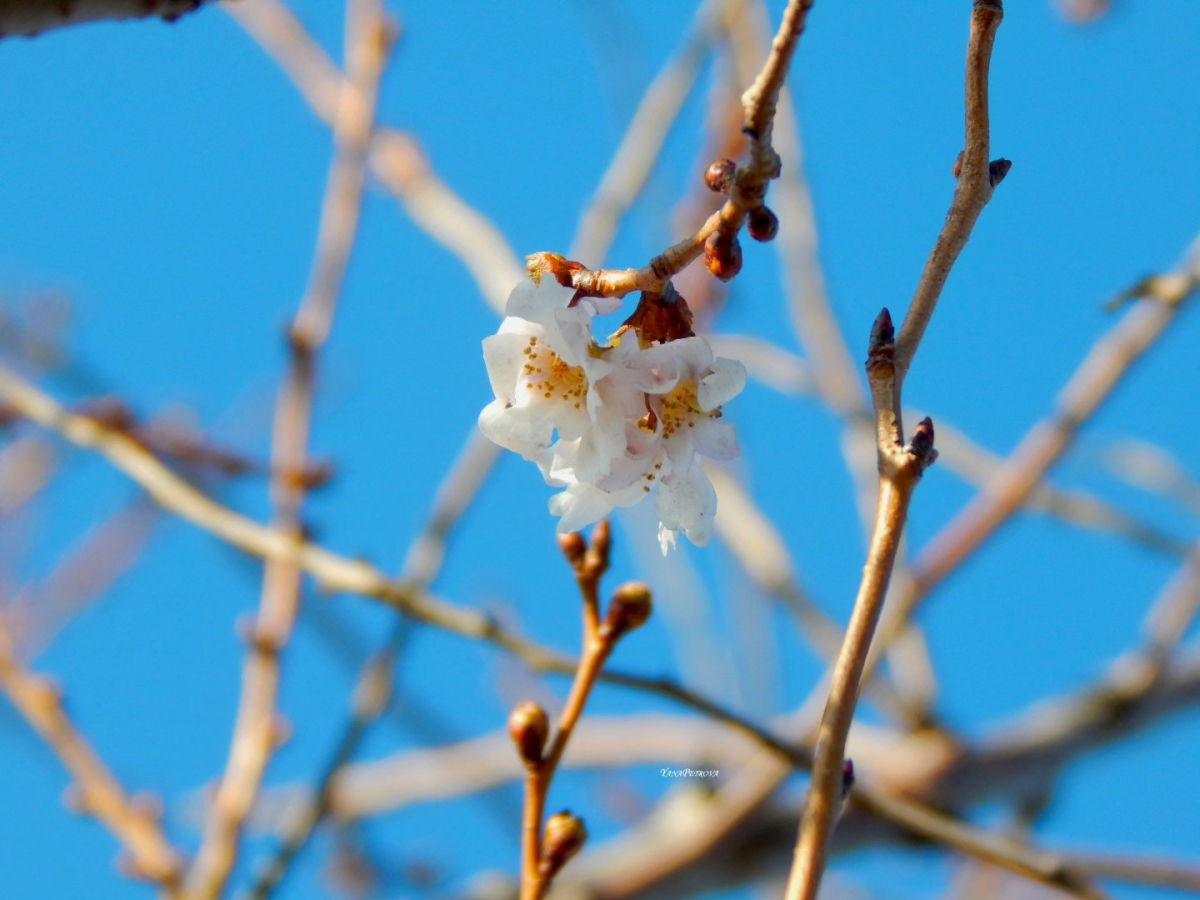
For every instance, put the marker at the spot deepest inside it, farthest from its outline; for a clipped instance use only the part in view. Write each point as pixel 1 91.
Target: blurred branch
pixel 27 18
pixel 394 157
pixel 369 38
pixel 1153 871
pixel 99 794
pixel 106 552
pixel 789 374
pixel 643 141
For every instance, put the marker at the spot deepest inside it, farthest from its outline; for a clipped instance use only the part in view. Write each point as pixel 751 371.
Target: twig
pixel 395 158
pixel 99 794
pixel 1154 871
pixel 28 18
pixel 1102 370
pixel 371 698
pixel 642 143
pixel 373 694
pixel 369 37
pixel 900 468
pixel 976 179
pixel 957 453
pixel 543 855
pixel 749 182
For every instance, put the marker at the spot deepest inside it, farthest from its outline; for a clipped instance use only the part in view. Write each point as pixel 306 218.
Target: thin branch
pixel 27 18
pixel 787 373
pixel 369 37
pixel 371 697
pixel 750 179
pixel 642 144
pixel 1106 365
pixel 976 178
pixel 99 794
pixel 900 468
pixel 1153 871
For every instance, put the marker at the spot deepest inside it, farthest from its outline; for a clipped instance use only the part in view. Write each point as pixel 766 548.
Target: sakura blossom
pixel 611 423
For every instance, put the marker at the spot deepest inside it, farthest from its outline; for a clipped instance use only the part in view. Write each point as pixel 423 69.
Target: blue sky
pixel 169 179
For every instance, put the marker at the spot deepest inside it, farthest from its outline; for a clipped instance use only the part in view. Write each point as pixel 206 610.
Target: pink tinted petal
pixel 725 381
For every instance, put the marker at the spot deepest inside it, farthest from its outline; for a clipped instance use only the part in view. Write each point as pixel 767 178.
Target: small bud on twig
pixel 629 608
pixel 920 444
pixel 763 225
pixel 529 728
pixel 883 335
pixel 997 169
pixel 719 175
pixel 565 836
pixel 573 546
pixel 601 549
pixel 723 255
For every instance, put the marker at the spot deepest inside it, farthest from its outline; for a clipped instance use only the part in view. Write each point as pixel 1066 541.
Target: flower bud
pixel 573 546
pixel 723 255
pixel 565 836
pixel 763 225
pixel 629 608
pixel 529 728
pixel 719 175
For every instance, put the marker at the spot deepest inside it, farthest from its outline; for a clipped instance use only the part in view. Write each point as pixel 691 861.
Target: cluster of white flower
pixel 630 415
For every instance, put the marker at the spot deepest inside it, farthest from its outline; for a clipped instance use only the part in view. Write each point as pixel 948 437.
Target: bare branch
pixel 99 794
pixel 28 18
pixel 369 38
pixel 976 178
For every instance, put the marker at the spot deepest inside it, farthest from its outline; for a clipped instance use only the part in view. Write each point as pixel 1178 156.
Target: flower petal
pixel 725 380
pixel 716 440
pixel 687 501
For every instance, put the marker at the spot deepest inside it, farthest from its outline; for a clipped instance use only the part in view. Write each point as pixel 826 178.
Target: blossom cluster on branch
pixel 610 422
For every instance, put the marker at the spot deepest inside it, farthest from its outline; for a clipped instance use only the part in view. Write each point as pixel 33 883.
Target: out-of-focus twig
pixel 642 143
pixel 1153 469
pixel 38 611
pixel 395 157
pixel 99 794
pixel 373 695
pixel 1153 871
pixel 28 18
pixel 369 38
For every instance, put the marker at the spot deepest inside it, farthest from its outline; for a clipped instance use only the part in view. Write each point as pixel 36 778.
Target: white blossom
pixel 613 423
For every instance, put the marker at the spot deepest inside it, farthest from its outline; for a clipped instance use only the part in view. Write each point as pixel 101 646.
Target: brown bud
pixel 629 608
pixel 601 546
pixel 997 169
pixel 723 255
pixel 763 225
pixel 719 175
pixel 529 728
pixel 565 836
pixel 573 546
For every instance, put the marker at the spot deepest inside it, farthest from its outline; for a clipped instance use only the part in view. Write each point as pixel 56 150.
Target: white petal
pixel 715 439
pixel 666 538
pixel 502 356
pixel 513 429
pixel 688 501
pixel 724 382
